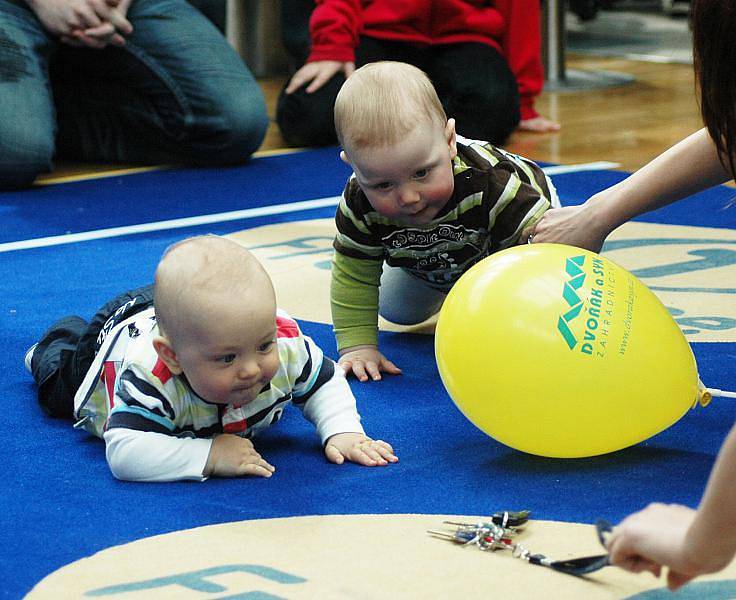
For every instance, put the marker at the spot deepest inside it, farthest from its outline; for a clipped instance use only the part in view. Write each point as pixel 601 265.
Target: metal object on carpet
pixel 498 535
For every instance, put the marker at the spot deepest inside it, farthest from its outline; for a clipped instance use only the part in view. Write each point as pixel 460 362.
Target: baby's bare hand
pixel 365 362
pixel 357 448
pixel 234 456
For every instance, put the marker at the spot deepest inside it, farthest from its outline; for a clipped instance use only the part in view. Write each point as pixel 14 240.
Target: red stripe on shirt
pixel 235 426
pixel 286 328
pixel 161 371
pixel 109 377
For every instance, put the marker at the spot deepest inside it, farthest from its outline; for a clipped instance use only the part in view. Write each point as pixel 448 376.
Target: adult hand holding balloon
pixel 560 352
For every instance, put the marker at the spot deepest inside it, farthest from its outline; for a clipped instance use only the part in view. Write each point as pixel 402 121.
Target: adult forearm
pixel 712 534
pixel 690 166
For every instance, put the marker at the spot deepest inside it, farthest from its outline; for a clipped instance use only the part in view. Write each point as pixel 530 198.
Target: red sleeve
pixel 334 28
pixel 522 47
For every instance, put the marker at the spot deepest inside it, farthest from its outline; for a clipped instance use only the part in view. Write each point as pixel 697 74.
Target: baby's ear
pixel 344 157
pixel 166 353
pixel 451 137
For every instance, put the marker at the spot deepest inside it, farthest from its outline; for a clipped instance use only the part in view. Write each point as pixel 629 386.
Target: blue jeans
pixel 405 299
pixel 176 93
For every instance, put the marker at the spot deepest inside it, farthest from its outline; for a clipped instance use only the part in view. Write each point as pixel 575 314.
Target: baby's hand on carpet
pixel 366 361
pixel 233 456
pixel 359 449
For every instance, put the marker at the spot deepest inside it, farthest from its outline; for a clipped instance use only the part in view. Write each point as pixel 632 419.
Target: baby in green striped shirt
pixel 422 206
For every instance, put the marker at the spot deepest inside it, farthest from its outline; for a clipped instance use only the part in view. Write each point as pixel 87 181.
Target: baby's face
pixel 230 359
pixel 410 181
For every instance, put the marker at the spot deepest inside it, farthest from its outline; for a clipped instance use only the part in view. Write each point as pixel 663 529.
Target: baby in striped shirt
pixel 422 206
pixel 179 376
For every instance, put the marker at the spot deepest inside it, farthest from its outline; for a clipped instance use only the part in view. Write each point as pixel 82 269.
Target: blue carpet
pixel 60 502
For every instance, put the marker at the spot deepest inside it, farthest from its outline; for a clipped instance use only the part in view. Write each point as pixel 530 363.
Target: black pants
pixel 65 352
pixel 473 81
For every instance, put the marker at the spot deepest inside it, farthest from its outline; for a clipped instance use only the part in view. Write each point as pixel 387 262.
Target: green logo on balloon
pixel 574 270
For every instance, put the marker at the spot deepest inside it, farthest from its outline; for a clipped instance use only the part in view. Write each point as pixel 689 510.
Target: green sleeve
pixel 354 300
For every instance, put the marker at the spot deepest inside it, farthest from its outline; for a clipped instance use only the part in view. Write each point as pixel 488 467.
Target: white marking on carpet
pixel 235 215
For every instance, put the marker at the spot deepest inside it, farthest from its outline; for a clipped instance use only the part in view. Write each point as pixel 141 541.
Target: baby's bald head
pixel 202 275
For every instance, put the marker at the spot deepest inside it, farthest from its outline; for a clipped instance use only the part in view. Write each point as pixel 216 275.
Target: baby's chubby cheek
pixel 387 209
pixel 444 192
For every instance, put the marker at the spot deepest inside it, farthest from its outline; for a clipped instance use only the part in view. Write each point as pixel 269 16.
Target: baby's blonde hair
pixel 195 273
pixel 380 103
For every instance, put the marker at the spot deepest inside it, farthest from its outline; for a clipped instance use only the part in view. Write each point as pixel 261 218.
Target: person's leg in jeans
pixel 177 92
pixel 27 122
pixel 66 350
pixel 477 89
pixel 307 119
pixel 405 299
pixel 214 10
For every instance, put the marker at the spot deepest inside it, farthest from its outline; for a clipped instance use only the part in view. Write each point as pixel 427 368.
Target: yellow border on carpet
pixel 53 180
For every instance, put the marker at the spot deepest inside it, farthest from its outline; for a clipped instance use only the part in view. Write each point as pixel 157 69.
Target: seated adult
pixel 134 81
pixel 484 59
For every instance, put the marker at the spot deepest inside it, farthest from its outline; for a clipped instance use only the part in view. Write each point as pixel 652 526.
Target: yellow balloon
pixel 560 352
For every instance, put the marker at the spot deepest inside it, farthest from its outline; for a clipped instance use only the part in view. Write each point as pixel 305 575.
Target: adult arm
pixel 333 32
pixel 713 532
pixel 690 166
pixel 689 543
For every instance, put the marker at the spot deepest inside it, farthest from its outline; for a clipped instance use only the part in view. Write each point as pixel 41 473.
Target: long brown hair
pixel 714 57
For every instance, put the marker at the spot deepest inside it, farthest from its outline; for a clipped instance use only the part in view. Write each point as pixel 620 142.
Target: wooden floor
pixel 629 124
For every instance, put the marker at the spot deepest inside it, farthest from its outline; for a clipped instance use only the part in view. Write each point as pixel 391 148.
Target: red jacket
pixel 510 26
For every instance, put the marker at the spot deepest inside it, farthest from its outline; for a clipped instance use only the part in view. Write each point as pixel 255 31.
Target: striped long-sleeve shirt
pixel 156 428
pixel 496 195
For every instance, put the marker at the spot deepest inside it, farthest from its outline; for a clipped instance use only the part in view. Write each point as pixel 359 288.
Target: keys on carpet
pixel 498 534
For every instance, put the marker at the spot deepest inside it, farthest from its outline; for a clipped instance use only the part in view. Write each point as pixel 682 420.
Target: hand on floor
pixel 359 449
pixel 366 361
